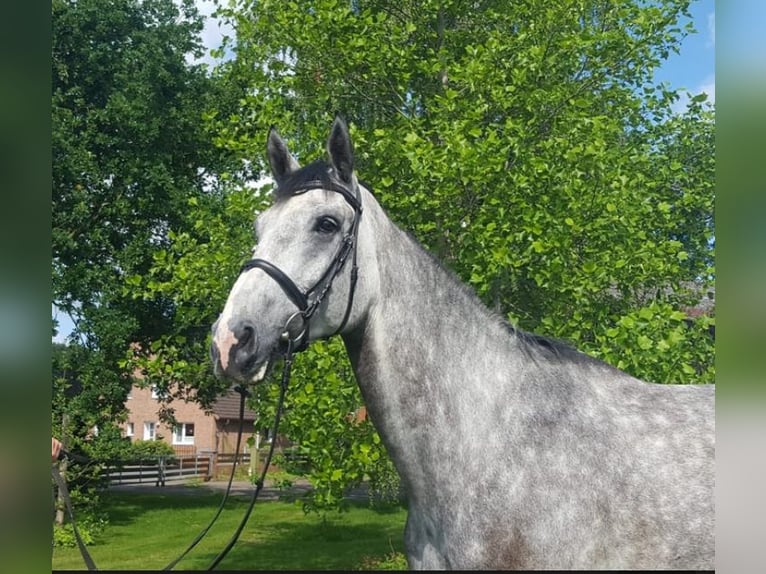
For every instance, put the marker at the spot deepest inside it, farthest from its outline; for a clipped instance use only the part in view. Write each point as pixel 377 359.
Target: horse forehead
pixel 292 210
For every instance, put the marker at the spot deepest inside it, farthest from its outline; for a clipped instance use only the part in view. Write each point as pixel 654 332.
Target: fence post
pixel 160 471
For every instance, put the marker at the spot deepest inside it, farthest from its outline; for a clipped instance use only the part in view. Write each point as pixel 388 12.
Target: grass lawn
pixel 147 531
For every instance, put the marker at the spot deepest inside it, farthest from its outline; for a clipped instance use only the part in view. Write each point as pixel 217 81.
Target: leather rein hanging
pixel 306 309
pixel 64 491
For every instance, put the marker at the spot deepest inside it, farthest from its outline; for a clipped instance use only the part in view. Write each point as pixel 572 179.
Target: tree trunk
pixel 60 505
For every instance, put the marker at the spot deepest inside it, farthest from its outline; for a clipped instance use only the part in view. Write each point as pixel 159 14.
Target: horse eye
pixel 326 225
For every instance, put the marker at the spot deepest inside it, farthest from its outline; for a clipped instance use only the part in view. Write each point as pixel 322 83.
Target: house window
pixel 183 433
pixel 130 429
pixel 150 430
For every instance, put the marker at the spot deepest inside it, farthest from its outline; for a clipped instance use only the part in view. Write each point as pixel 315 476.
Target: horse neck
pixel 418 305
pixel 428 354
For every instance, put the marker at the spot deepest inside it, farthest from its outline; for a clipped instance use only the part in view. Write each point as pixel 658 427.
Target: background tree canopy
pixel 521 142
pixel 129 154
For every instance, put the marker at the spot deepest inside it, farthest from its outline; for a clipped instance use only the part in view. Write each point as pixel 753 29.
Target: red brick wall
pixel 210 434
pixel 227 435
pixel 142 408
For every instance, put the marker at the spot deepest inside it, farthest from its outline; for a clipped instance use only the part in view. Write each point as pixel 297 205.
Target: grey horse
pixel 516 451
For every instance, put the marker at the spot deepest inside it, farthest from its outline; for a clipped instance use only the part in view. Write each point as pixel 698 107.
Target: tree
pixel 522 142
pixel 129 152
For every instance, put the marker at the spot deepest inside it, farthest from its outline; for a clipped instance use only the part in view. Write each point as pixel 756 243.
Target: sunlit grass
pixel 146 532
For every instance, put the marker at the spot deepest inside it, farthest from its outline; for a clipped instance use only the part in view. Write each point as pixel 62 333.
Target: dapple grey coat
pixel 516 451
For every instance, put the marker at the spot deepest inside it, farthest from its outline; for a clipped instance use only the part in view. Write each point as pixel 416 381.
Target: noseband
pixel 303 299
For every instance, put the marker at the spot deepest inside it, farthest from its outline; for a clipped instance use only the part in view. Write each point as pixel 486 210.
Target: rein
pixel 306 309
pixel 61 483
pixel 286 370
pixel 285 381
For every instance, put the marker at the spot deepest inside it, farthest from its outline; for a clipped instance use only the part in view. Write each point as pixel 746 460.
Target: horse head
pixel 300 284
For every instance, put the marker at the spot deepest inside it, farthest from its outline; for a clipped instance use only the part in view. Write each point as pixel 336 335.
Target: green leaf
pixel 678 316
pixel 645 313
pixel 627 322
pixel 644 343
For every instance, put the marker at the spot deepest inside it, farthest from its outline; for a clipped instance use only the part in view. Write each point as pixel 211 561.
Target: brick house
pixel 197 432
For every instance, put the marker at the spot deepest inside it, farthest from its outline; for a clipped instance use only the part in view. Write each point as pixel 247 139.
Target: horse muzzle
pixel 234 351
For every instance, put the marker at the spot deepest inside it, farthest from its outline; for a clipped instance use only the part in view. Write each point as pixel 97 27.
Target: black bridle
pixel 308 305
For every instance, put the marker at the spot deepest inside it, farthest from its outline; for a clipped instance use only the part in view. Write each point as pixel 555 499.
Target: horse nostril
pixel 247 344
pixel 244 334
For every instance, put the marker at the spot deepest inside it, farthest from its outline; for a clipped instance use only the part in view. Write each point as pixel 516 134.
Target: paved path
pixel 238 488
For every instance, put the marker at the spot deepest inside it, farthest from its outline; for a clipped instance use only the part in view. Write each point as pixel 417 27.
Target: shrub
pixel 63 535
pixel 385 485
pixel 150 449
pixel 294 460
pixel 91 519
pixel 391 561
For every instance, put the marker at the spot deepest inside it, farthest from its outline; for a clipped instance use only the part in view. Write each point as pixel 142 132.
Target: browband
pixel 347 194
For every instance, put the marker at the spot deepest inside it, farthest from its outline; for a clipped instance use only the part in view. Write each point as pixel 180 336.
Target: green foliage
pixel 293 460
pixel 282 480
pixel 194 274
pixel 87 394
pixel 320 410
pixel 63 536
pixel 522 143
pixel 129 153
pixel 391 561
pixel 82 483
pixel 385 488
pixel 91 522
pixel 142 449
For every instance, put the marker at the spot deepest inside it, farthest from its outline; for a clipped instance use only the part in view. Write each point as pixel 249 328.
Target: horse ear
pixel 340 149
pixel 281 162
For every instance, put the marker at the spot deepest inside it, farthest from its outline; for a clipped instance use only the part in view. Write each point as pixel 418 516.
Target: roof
pixel 227 407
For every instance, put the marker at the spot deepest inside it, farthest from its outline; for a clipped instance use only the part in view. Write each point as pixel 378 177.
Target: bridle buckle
pixel 299 341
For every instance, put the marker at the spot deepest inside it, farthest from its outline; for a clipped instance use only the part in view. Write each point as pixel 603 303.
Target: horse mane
pixel 549 347
pixel 532 344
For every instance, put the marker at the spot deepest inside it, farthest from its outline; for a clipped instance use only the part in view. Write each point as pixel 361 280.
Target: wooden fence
pixel 221 468
pixel 159 470
pixel 206 466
